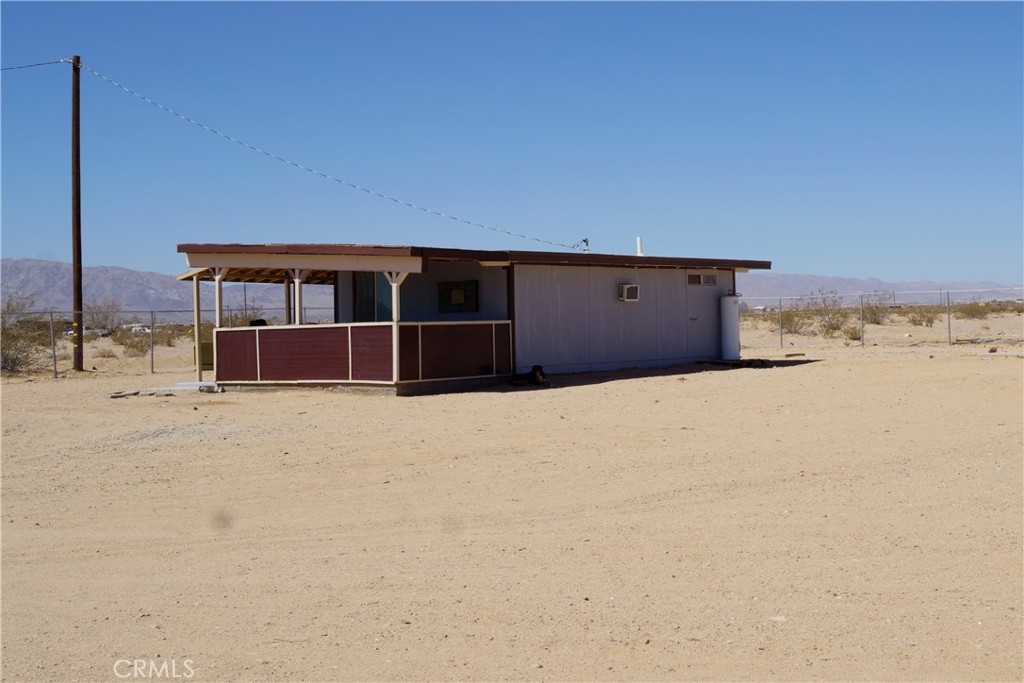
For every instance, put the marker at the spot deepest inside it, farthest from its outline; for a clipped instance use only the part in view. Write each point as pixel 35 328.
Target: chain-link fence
pixel 118 342
pixel 888 318
pixel 150 342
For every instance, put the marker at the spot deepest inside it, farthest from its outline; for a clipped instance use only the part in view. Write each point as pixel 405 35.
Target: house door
pixel 704 315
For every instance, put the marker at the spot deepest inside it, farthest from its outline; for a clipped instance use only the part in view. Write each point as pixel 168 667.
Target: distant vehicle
pixel 138 329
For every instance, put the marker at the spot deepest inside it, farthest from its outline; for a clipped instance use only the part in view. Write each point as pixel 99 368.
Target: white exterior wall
pixel 569 319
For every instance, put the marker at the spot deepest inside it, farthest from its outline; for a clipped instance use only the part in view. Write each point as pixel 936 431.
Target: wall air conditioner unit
pixel 629 292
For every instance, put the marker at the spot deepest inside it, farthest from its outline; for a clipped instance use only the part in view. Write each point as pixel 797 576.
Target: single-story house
pixel 418 318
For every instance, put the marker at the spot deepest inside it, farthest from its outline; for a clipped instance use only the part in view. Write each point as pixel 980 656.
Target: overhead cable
pixel 314 171
pixel 29 66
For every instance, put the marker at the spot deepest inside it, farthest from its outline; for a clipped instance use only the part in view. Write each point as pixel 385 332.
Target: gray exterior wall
pixel 569 319
pixel 419 293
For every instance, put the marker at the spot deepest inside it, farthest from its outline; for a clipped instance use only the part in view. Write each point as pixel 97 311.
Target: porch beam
pixel 376 263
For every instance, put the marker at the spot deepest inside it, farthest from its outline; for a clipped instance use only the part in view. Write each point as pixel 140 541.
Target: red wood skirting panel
pixel 371 353
pixel 308 353
pixel 457 351
pixel 236 356
pixel 503 349
pixel 408 353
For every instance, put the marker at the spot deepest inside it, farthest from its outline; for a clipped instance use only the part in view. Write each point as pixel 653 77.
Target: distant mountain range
pixel 754 285
pixel 48 284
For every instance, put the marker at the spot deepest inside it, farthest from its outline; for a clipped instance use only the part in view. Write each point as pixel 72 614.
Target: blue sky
pixel 855 139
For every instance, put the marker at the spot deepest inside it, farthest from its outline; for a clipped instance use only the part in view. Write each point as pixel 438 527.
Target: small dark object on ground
pixel 535 377
pixel 993 350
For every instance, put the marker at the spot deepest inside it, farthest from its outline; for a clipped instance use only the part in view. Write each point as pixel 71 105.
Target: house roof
pixel 272 262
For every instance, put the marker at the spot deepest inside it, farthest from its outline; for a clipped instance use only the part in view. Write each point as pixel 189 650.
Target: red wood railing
pixel 363 352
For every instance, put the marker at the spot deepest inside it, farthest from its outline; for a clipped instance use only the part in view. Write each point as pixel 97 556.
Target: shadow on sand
pixel 578 379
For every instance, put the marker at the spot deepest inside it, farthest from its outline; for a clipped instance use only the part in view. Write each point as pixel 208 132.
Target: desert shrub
pixel 829 313
pixel 105 353
pixel 923 316
pixel 974 310
pixel 133 344
pixel 876 308
pixel 852 332
pixel 168 335
pixel 1005 307
pixel 24 335
pixel 165 336
pixel 794 320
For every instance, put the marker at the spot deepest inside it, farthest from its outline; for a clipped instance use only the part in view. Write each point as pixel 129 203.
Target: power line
pixel 314 171
pixel 29 66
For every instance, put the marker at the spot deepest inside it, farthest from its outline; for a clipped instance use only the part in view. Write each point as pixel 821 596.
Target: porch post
pixel 287 302
pixel 396 280
pixel 196 321
pixel 298 276
pixel 218 280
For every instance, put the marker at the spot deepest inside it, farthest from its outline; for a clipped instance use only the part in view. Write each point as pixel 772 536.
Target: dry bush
pixel 134 345
pixel 974 310
pixel 794 320
pixel 24 336
pixel 876 308
pixel 923 316
pixel 1005 307
pixel 828 311
pixel 102 315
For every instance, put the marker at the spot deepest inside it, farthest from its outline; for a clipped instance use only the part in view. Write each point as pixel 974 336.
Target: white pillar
pixel 218 281
pixel 196 322
pixel 396 280
pixel 298 276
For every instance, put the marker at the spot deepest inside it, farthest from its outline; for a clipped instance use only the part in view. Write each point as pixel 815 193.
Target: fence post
pixel 949 317
pixel 862 319
pixel 782 344
pixel 152 342
pixel 53 346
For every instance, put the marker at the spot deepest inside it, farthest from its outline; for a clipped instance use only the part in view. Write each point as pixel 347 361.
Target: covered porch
pixel 401 319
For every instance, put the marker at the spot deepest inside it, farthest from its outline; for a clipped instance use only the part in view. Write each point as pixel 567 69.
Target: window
pixel 695 279
pixel 372 297
pixel 458 297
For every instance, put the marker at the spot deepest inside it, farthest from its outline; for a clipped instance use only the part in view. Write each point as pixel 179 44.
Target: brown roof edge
pixel 441 253
pixel 630 261
pixel 327 249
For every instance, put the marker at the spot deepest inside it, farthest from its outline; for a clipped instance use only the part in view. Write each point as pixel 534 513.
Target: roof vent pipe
pixel 639 246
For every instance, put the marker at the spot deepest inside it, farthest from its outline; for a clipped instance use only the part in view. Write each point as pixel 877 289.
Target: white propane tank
pixel 731 327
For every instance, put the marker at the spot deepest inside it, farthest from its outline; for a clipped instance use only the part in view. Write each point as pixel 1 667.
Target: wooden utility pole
pixel 76 217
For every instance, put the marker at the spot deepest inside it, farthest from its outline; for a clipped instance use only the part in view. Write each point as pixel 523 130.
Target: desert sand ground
pixel 853 513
